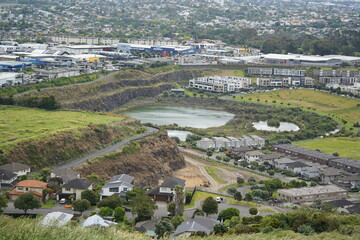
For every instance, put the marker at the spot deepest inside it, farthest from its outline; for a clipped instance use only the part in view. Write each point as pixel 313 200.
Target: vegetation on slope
pixel 337 107
pixel 148 160
pixel 346 147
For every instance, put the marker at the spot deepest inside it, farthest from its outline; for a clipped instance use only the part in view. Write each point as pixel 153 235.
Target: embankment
pixel 148 160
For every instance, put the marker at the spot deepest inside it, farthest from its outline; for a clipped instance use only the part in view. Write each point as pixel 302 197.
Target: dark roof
pixel 145 226
pixel 269 156
pixel 197 224
pixel 156 191
pixel 305 151
pixel 350 178
pixel 122 178
pixel 78 184
pixel 6 175
pixel 347 162
pixel 66 174
pixel 354 209
pixel 297 164
pixel 14 167
pixel 340 203
pixel 172 182
pixel 242 149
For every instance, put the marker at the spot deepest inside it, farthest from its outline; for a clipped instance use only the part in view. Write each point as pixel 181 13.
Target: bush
pixel 119 214
pixel 105 211
pixel 228 214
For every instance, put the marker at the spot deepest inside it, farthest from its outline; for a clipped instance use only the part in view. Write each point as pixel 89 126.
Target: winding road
pixel 107 150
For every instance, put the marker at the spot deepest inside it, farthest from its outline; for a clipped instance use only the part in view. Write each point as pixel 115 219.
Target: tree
pixel 112 201
pixel 238 196
pixel 249 197
pixel 253 211
pixel 143 206
pixel 240 180
pixel 81 205
pixel 3 203
pixel 198 212
pixel 179 200
pixel 163 228
pixel 209 153
pixel 251 181
pixel 336 154
pixel 231 191
pixel 90 196
pixel 210 206
pixel 45 173
pixel 105 211
pixel 171 208
pixel 119 214
pixel 177 220
pixel 27 201
pixel 228 214
pixel 220 229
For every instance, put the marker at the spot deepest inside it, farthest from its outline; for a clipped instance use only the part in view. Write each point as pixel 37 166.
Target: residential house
pixel 198 224
pixel 119 184
pixel 329 175
pixel 18 168
pixel 205 143
pixel 348 182
pixel 239 153
pixel 268 158
pixel 341 205
pixel 166 191
pixel 25 186
pixel 74 187
pixel 7 179
pixel 311 194
pixel 296 166
pixel 147 227
pixel 354 209
pixel 65 174
pixel 56 219
pixel 310 173
pixel 352 166
pixel 253 156
pixel 281 163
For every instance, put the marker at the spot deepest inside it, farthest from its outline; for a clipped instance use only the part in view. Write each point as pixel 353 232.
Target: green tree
pixel 228 214
pixel 238 196
pixel 106 211
pixel 240 180
pixel 171 208
pixel 198 212
pixel 163 228
pixel 143 206
pixel 119 214
pixel 27 201
pixel 179 200
pixel 219 229
pixel 112 201
pixel 177 220
pixel 210 206
pixel 249 197
pixel 3 203
pixel 253 211
pixel 209 153
pixel 90 195
pixel 131 194
pixel 81 205
pixel 45 173
pixel 251 181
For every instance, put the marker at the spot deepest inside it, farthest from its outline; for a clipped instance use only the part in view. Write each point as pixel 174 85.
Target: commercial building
pixel 84 49
pixel 57 73
pixel 220 84
pixel 13 66
pixel 84 40
pixel 292 59
pixel 311 194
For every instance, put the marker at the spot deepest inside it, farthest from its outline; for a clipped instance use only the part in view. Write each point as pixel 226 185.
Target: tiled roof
pixel 32 183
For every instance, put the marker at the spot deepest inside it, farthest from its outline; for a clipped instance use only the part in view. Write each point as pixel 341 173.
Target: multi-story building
pixel 231 142
pixel 220 84
pixel 288 72
pixel 335 73
pixel 25 186
pixel 339 80
pixel 311 194
pixel 260 71
pixel 272 82
pixel 84 40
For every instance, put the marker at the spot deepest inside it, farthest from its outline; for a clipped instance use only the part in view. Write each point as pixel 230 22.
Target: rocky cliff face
pixel 114 91
pixel 158 156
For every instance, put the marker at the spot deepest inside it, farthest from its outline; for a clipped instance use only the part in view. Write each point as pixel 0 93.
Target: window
pixel 20 188
pixel 115 189
pixel 68 189
pixel 125 189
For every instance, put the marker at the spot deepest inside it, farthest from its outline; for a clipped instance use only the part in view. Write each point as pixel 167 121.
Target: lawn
pixel 198 195
pixel 244 203
pixel 345 146
pixel 18 123
pixel 212 171
pixel 327 104
pixel 49 204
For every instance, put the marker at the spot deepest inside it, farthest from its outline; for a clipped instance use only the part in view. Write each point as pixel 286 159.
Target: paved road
pixel 109 149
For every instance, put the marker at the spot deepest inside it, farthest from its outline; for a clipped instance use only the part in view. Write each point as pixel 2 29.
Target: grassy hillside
pixel 18 123
pixel 24 229
pixel 335 106
pixel 346 147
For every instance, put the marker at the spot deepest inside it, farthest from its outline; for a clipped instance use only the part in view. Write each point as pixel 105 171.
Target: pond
pixel 180 134
pixel 284 126
pixel 182 116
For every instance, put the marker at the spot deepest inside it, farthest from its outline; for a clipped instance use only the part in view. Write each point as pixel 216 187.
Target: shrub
pixel 119 214
pixel 105 211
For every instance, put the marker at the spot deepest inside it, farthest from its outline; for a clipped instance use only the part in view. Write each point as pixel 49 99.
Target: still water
pixel 284 126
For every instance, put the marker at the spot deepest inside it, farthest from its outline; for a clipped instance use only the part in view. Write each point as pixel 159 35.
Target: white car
pixel 62 201
pixel 219 199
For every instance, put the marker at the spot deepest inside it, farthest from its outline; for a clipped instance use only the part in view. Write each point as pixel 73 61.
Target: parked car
pixel 219 199
pixel 127 209
pixel 62 201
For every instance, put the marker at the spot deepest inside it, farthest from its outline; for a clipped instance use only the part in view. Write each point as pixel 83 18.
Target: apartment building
pixel 84 40
pixel 220 84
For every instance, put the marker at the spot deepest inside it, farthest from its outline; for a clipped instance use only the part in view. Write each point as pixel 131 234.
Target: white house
pixel 74 187
pixel 118 184
pixel 18 168
pixel 253 156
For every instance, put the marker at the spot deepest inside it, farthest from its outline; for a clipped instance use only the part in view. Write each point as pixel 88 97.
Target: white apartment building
pixel 220 84
pixel 231 142
pixel 84 40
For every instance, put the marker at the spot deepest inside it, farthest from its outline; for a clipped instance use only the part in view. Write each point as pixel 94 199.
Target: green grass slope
pixel 346 147
pixel 18 124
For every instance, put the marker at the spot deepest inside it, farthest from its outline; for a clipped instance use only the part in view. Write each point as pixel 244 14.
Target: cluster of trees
pixel 47 102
